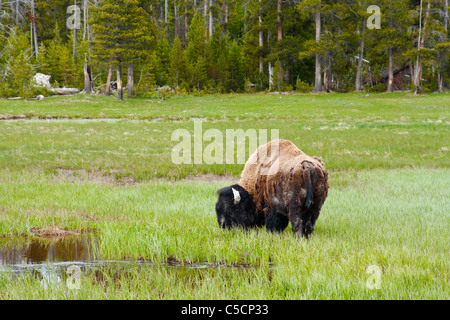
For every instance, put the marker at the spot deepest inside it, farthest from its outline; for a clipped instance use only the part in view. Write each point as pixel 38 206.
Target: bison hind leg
pixel 276 221
pixel 309 228
pixel 301 221
pixel 296 223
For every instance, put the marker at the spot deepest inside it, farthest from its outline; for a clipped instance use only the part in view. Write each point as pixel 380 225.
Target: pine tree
pixel 424 20
pixel 52 14
pixel 219 57
pixel 223 44
pixel 140 35
pixel 315 7
pixel 443 49
pixel 121 31
pixel 388 42
pixel 278 83
pixel 57 61
pixel 317 19
pixel 177 71
pixel 235 70
pixel 197 51
pixel 197 38
pixel 162 62
pixel 199 75
pixel 20 70
pixel 147 80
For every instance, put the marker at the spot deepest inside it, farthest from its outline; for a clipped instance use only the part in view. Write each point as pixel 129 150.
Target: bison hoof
pixel 308 229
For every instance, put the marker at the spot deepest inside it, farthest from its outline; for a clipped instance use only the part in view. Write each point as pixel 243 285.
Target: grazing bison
pixel 235 208
pixel 279 184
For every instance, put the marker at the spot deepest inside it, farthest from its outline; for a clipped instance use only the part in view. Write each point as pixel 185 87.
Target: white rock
pixel 42 80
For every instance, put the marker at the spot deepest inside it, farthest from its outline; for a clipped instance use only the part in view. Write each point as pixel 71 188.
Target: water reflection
pixel 48 262
pixel 39 251
pixel 46 259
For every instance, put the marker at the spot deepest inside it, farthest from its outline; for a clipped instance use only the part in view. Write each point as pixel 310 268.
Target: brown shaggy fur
pixel 287 185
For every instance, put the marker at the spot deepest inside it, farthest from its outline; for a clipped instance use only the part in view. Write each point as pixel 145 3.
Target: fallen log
pixel 65 91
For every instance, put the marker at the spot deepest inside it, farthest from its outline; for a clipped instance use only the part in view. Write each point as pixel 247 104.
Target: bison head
pixel 235 208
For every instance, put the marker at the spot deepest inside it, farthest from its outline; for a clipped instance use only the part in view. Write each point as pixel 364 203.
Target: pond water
pixel 53 260
pixel 68 261
pixel 14 254
pixel 59 253
pixel 46 259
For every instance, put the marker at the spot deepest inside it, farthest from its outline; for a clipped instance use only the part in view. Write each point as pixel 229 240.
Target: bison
pixel 279 184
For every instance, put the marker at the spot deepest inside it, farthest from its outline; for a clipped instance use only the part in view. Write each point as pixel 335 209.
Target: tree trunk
pixel 36 42
pixel 261 40
pixel 17 12
pixel 418 76
pixel 74 38
pixel 245 15
pixel 186 25
pixel 175 13
pixel 279 24
pixel 84 19
pixel 211 25
pixel 391 62
pixel 108 82
pixel 441 70
pixel 318 77
pixel 33 23
pixel 446 16
pixel 411 72
pixel 271 84
pixel 166 10
pixel 205 13
pixel 327 75
pixel 225 18
pixel 119 83
pixel 130 80
pixel 358 81
pixel 140 77
pixel 280 75
pixel 390 71
pixel 31 37
pixel 88 88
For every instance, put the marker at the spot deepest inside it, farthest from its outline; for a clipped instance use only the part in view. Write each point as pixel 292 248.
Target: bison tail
pixel 307 185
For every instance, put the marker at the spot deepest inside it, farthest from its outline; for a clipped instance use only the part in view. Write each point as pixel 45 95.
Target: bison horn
pixel 237 196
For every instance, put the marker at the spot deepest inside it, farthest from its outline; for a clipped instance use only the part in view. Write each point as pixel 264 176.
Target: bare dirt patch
pixel 116 177
pixel 42 117
pixel 209 177
pixel 81 175
pixel 52 232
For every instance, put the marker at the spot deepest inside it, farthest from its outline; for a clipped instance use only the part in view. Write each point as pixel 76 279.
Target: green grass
pixel 397 220
pixel 310 108
pixel 388 205
pixel 142 150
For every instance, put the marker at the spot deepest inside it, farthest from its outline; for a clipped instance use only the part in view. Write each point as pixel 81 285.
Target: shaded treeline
pixel 205 46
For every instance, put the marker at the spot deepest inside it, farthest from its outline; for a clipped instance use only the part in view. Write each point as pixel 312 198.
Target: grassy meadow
pixel 97 166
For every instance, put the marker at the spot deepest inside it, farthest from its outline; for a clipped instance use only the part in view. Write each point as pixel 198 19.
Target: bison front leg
pixel 276 221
